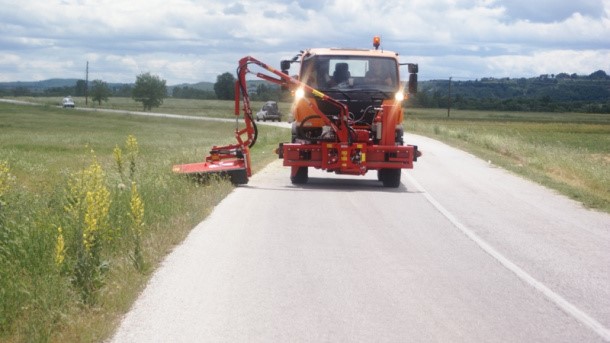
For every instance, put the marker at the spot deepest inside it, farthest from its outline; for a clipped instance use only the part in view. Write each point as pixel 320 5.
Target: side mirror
pixel 285 65
pixel 413 68
pixel 412 83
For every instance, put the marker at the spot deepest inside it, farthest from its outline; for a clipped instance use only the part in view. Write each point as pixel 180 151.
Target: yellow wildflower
pixel 6 178
pixel 60 250
pixel 132 145
pixel 137 209
pixel 118 157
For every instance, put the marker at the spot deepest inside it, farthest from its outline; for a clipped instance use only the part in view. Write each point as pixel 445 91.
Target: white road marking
pixel 562 303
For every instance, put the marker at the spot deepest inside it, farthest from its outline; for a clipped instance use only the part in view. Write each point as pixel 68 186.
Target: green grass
pixel 46 146
pixel 569 152
pixel 204 108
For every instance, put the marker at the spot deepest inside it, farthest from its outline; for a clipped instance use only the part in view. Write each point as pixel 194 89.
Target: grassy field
pixel 204 108
pixel 62 286
pixel 52 161
pixel 569 152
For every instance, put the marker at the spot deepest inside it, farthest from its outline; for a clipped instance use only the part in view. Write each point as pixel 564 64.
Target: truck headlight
pixel 299 94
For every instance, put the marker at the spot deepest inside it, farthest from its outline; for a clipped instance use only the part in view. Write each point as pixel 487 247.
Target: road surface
pixel 463 251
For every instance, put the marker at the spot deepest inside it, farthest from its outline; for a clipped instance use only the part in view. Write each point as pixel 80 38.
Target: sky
pixel 189 41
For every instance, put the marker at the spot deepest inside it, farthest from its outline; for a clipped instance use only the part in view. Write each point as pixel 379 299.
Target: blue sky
pixel 186 41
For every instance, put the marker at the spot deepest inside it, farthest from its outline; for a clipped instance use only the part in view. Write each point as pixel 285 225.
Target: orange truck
pixel 347 117
pixel 362 129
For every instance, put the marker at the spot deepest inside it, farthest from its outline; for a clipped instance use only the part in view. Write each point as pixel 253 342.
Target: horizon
pixel 454 78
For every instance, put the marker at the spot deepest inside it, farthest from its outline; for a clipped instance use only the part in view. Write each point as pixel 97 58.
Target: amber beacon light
pixel 376 42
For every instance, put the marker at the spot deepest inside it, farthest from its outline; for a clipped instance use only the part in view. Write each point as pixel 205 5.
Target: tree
pixel 80 88
pixel 124 91
pixel 225 86
pixel 150 90
pixel 265 92
pixel 598 75
pixel 100 91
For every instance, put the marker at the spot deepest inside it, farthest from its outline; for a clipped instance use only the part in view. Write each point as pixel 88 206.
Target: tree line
pixel 548 93
pixel 149 89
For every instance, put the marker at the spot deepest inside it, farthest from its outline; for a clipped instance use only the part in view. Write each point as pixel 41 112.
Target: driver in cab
pixel 378 73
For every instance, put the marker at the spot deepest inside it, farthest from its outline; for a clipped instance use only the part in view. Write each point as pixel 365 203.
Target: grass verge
pixel 59 170
pixel 568 152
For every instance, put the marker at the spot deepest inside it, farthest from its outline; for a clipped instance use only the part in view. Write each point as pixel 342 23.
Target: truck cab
pixel 362 79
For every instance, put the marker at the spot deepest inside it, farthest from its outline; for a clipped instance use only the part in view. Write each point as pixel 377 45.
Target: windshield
pixel 351 72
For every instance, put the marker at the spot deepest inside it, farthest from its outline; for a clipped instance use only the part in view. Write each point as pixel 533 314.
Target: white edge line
pixel 565 305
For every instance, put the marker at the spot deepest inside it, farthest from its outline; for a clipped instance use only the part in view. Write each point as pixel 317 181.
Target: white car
pixel 269 111
pixel 67 102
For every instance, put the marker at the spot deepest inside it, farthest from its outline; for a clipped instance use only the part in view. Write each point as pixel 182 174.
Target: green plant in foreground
pixel 60 248
pixel 6 180
pixel 136 214
pixel 132 153
pixel 88 205
pixel 118 158
pixel 136 205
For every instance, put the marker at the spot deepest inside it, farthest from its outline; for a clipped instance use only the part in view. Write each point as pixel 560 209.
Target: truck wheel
pixel 380 174
pixel 301 176
pixel 238 177
pixel 391 178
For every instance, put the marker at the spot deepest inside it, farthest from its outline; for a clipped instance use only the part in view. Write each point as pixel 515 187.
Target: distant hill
pixel 39 86
pixel 204 86
pixel 561 92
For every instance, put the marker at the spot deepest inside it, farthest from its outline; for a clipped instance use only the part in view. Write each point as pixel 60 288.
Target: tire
pixel 391 178
pixel 301 177
pixel 238 177
pixel 380 174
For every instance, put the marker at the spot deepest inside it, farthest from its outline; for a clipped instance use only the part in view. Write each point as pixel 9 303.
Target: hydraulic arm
pixel 234 160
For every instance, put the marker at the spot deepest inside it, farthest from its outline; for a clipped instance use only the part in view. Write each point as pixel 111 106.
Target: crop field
pixel 569 152
pixel 89 206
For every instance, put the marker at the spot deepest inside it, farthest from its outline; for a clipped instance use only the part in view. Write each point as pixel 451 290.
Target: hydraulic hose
pixel 248 111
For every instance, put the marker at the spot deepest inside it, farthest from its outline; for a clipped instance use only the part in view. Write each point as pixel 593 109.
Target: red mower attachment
pixel 234 160
pixel 231 161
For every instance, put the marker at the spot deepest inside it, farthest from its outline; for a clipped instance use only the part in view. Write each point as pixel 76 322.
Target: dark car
pixel 269 111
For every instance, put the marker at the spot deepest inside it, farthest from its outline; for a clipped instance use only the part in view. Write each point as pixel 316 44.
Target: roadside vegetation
pixel 89 207
pixel 569 152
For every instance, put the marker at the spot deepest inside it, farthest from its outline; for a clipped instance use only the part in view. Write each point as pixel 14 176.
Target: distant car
pixel 67 102
pixel 269 111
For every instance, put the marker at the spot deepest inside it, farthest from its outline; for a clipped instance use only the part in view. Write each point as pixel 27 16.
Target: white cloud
pixel 191 41
pixel 551 10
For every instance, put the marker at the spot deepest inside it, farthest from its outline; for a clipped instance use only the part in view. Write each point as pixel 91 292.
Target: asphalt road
pixel 461 252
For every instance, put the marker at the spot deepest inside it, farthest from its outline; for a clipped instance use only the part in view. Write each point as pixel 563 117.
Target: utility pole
pixel 87 85
pixel 449 102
